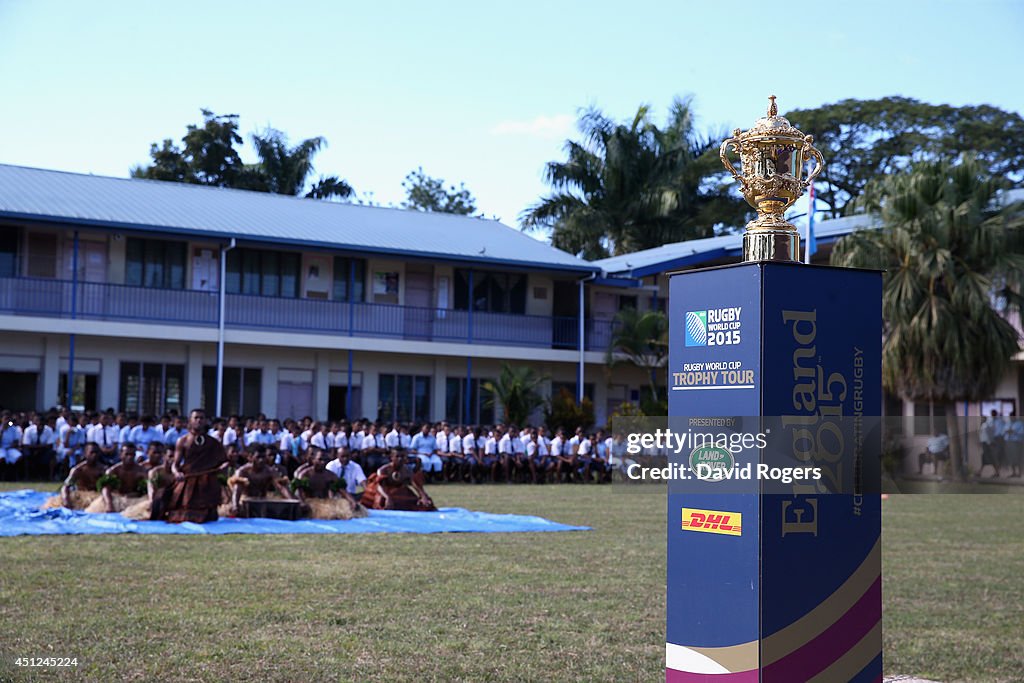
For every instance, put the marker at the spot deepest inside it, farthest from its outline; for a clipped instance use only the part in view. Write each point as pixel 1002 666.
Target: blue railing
pixel 104 301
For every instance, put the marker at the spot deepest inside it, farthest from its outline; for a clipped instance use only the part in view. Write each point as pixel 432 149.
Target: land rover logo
pixel 711 463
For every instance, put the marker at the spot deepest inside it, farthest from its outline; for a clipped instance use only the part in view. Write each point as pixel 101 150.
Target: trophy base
pixel 771 245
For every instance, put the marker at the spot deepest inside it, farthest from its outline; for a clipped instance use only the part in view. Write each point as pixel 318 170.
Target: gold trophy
pixel 772 156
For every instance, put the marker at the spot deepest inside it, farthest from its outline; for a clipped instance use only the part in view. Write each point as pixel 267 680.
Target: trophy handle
pixel 819 166
pixel 723 155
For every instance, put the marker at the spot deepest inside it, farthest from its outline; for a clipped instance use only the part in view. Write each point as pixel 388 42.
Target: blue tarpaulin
pixel 20 516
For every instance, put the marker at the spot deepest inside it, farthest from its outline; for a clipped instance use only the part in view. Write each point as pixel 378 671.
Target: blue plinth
pixel 771 582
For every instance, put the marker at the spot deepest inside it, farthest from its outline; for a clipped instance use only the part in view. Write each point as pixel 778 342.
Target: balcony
pixel 104 301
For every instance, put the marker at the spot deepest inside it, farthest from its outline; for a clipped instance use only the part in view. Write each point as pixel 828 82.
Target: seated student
pixel 79 489
pixel 601 461
pixel 424 445
pixel 10 440
pixel 122 484
pixel 347 470
pixel 584 457
pixel 145 433
pixel 71 441
pixel 471 455
pixel 489 458
pixel 540 463
pixel 373 447
pixel 39 441
pixel 455 460
pixel 519 461
pixel 323 493
pixel 564 460
pixel 257 479
pixel 176 431
pixel 394 487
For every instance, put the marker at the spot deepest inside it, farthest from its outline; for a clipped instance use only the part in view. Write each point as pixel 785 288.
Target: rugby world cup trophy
pixel 772 155
pixel 775 576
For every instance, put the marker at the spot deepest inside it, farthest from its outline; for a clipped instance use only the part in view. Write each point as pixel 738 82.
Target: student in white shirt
pixel 38 443
pixel 10 439
pixel 105 435
pixel 392 439
pixel 490 458
pixel 584 458
pixel 456 461
pixel 347 470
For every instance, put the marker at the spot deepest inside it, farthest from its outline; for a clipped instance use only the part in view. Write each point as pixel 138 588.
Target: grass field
pixel 576 606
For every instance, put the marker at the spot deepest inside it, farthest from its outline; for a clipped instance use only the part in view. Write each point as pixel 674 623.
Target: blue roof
pixel 698 252
pixel 33 194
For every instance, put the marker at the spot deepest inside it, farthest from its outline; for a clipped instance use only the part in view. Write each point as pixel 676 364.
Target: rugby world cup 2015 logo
pixel 696 328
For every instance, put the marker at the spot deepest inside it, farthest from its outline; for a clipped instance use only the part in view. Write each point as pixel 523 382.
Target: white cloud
pixel 544 127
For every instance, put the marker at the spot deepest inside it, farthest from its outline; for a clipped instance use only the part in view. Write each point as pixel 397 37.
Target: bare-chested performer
pixel 394 487
pixel 79 489
pixel 256 480
pixel 323 493
pixel 198 461
pixel 124 483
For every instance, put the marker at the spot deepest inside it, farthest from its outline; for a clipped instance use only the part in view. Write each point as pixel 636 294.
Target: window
pixel 9 253
pixel 83 394
pixel 492 292
pixel 627 302
pixel 893 412
pixel 42 255
pixel 405 398
pixel 156 264
pixel 929 419
pixel 348 270
pixel 152 388
pixel 480 410
pixel 241 391
pixel 262 273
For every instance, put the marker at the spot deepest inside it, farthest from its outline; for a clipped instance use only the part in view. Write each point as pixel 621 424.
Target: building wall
pixel 48 354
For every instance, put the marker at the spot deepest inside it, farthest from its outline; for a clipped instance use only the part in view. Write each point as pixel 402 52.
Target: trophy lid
pixel 772 125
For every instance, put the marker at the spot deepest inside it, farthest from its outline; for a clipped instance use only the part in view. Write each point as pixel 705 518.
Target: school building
pixel 143 289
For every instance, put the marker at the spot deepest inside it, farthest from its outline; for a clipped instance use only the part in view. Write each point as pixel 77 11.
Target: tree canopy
pixel 425 193
pixel 631 186
pixel 866 139
pixel 208 156
pixel 951 253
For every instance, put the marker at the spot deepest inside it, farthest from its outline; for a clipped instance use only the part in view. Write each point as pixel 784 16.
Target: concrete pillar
pixel 439 382
pixel 597 375
pixel 321 384
pixel 49 378
pixel 110 381
pixel 268 392
pixel 194 378
pixel 371 387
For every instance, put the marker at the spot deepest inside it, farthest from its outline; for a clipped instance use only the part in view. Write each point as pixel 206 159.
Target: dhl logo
pixel 713 521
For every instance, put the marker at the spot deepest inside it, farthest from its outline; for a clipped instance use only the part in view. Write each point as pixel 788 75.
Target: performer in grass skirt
pixel 256 479
pixel 323 493
pixel 394 487
pixel 122 485
pixel 79 489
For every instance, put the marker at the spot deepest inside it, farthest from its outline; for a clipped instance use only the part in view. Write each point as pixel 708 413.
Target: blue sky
pixel 471 91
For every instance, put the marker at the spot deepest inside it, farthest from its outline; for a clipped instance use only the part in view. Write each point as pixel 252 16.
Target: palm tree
pixel 950 252
pixel 517 390
pixel 640 339
pixel 286 170
pixel 627 187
